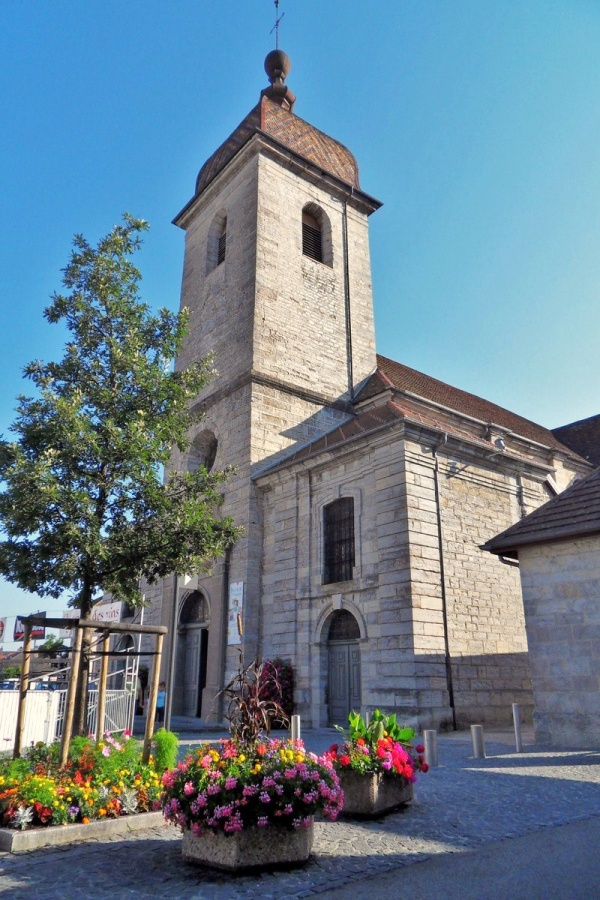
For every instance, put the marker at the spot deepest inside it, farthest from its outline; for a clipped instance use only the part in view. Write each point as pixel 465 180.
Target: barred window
pixel 338 527
pixel 312 243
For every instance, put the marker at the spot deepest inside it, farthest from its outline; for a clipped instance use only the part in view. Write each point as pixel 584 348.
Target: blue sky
pixel 476 122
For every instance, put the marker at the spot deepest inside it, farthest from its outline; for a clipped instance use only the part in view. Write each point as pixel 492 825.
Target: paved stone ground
pixel 464 804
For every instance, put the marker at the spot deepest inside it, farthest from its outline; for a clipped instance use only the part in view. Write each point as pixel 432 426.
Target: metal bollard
pixel 517 724
pixel 295 728
pixel 431 747
pixel 478 744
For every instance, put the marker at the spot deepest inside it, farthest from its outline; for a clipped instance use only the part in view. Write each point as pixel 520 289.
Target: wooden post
pixel 70 707
pixel 102 687
pixel 24 687
pixel 152 699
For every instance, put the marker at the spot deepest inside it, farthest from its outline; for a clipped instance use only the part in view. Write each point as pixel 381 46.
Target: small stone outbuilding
pixel 558 549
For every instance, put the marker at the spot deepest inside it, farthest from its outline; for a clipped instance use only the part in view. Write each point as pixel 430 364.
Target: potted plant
pixel 249 801
pixel 377 764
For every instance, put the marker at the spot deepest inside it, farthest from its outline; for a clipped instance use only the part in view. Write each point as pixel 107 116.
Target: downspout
pixel 438 509
pixel 347 309
pixel 224 625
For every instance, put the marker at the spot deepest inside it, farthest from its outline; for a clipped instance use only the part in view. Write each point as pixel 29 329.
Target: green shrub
pixel 164 751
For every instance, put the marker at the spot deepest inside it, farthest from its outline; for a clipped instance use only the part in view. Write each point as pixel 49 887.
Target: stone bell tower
pixel 277 279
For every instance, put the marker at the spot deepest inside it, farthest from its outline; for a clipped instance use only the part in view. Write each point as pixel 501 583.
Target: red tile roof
pixel 291 131
pixel 574 513
pixel 402 378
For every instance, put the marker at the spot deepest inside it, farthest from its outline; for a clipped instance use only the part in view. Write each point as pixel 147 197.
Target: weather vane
pixel 275 27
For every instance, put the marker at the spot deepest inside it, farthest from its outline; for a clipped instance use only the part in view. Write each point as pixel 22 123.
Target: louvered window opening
pixel 339 540
pixel 312 244
pixel 221 248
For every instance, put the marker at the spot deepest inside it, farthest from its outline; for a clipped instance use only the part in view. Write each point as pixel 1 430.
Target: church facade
pixel 365 489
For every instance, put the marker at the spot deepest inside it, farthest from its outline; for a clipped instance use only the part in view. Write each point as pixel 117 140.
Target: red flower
pixel 334 748
pixel 420 748
pixel 344 760
pixel 424 767
pixel 360 742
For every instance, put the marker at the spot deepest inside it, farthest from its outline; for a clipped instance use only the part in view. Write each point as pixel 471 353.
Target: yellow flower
pixel 241 758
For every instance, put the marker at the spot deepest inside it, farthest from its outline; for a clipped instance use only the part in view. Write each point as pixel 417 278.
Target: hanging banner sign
pixel 107 612
pixel 38 631
pixel 234 615
pixel 2 629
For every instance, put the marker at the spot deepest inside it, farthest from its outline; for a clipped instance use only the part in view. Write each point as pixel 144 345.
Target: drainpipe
pixel 172 649
pixel 347 300
pixel 438 508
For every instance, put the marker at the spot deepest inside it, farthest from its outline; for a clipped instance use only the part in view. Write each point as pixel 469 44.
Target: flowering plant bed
pixel 238 785
pixel 100 781
pixel 377 764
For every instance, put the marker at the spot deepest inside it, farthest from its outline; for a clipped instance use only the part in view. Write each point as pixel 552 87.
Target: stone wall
pixel 396 593
pixel 561 595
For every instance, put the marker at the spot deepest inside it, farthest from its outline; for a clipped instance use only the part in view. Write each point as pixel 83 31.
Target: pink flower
pixel 189 788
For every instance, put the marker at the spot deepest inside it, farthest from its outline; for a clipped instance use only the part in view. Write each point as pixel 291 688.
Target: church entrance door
pixel 344 681
pixel 343 653
pixel 194 679
pixel 193 624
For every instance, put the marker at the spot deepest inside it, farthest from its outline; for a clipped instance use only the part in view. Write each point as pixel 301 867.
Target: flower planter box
pixel 16 841
pixel 252 848
pixel 373 793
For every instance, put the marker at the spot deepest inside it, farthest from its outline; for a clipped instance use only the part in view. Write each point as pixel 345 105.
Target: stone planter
pixel 253 848
pixel 373 793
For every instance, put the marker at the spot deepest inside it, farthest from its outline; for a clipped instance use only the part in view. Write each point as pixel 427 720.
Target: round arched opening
pixel 343 666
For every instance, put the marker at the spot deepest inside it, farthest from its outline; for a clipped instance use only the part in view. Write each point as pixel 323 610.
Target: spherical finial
pixel 277 66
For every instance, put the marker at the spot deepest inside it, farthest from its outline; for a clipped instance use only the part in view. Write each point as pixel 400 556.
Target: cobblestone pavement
pixel 462 804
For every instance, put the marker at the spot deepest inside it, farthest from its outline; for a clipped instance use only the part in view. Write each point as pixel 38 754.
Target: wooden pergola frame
pixel 84 627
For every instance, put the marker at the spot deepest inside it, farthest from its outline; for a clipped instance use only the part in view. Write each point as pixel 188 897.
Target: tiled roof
pixel 291 131
pixel 395 375
pixel 583 437
pixel 574 513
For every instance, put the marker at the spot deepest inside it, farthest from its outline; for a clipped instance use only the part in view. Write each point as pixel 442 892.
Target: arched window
pixel 202 452
pixel 338 544
pixel 216 249
pixel 194 610
pixel 312 239
pixel 343 626
pixel 316 234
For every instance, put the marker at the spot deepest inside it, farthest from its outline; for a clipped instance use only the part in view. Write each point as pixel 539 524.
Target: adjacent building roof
pixel 583 437
pixel 573 514
pixel 395 375
pixel 270 118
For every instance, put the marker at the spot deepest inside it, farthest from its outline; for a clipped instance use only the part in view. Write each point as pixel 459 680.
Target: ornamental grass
pixel 100 780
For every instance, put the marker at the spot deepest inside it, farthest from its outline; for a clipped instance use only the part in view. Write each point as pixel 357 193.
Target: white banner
pixel 107 612
pixel 2 629
pixel 234 616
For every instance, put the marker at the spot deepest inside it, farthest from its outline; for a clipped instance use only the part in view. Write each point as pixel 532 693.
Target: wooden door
pixel 344 681
pixel 191 678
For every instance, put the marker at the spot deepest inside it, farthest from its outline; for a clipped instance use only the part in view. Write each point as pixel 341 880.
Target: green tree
pixel 52 646
pixel 85 507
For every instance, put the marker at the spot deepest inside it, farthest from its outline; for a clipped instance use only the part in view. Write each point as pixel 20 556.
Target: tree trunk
pixel 81 697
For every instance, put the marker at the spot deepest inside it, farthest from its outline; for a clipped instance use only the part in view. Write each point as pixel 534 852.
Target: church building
pixel 365 488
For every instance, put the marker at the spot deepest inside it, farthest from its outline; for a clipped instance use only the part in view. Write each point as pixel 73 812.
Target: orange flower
pixel 85 820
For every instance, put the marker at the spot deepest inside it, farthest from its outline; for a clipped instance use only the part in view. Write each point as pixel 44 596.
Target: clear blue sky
pixel 476 122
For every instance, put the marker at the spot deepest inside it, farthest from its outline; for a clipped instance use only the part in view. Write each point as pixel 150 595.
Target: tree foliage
pixel 84 505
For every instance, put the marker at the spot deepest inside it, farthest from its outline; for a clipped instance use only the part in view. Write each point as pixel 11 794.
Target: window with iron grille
pixel 312 242
pixel 338 527
pixel 222 246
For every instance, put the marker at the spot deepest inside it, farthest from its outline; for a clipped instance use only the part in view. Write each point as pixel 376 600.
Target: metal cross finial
pixel 275 27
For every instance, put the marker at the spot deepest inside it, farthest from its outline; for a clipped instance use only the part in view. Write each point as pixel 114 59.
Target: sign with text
pixel 38 631
pixel 107 612
pixel 234 615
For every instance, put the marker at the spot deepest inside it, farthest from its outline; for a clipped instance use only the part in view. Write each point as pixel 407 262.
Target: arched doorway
pixel 193 621
pixel 343 665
